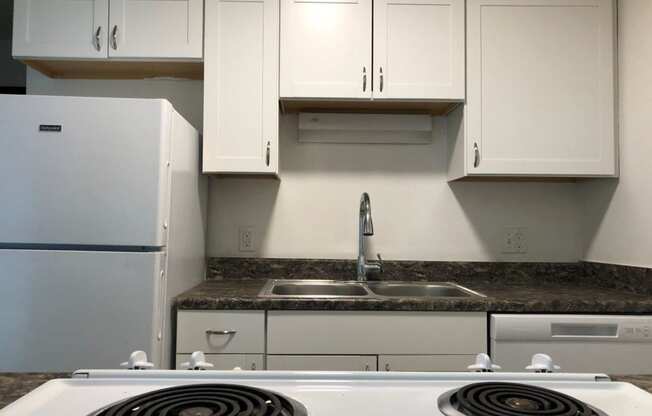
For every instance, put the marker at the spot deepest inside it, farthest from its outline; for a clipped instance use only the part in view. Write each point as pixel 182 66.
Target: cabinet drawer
pixel 322 362
pixel 425 362
pixel 353 333
pixel 227 361
pixel 201 331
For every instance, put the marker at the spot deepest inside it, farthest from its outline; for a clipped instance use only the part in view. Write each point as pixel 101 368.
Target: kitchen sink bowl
pixel 316 289
pixel 420 289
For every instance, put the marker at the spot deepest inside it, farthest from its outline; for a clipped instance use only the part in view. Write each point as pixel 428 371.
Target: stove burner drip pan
pixel 511 399
pixel 206 400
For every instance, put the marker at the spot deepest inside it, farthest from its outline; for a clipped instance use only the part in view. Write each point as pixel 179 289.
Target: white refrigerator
pixel 102 223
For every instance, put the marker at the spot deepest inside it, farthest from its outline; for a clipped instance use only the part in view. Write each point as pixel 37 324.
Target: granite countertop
pixel 14 385
pixel 501 297
pixel 234 283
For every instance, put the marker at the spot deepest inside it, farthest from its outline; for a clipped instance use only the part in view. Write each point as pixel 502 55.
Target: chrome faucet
pixel 366 228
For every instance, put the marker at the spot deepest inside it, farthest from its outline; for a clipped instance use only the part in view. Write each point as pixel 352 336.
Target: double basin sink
pixel 307 289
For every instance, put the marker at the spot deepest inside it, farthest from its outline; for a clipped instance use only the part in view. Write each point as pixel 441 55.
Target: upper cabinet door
pixel 241 86
pixel 540 98
pixel 326 48
pixel 60 28
pixel 162 29
pixel 419 49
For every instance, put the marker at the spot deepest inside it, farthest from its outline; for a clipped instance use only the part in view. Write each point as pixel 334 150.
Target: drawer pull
pixel 210 332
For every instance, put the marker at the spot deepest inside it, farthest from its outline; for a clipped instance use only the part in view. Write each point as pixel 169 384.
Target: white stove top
pixel 322 393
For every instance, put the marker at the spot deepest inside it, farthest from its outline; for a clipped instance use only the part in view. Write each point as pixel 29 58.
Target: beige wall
pixel 312 210
pixel 618 226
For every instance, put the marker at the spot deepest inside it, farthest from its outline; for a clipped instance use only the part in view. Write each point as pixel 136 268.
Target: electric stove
pixel 140 392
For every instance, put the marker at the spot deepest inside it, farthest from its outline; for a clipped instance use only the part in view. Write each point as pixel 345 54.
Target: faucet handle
pixel 380 263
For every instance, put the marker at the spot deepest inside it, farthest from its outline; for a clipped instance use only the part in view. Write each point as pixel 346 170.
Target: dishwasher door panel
pixel 578 343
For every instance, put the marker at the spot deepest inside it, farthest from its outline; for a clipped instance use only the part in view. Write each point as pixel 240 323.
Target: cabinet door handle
pixel 387 367
pixel 267 154
pixel 381 79
pixel 476 159
pixel 114 37
pixel 366 367
pixel 98 45
pixel 364 78
pixel 253 366
pixel 210 332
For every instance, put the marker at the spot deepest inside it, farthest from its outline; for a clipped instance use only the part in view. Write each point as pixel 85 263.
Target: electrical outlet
pixel 515 240
pixel 246 238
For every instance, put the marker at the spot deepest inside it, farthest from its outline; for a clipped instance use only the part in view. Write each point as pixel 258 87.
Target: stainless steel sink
pixel 309 289
pixel 317 288
pixel 420 289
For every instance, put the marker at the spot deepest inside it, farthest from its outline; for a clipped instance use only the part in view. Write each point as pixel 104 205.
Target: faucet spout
pixel 367 223
pixel 365 229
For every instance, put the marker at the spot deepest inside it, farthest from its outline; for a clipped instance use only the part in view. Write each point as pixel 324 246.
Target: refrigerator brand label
pixel 50 127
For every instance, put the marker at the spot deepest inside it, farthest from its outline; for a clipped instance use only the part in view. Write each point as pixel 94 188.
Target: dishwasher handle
pixel 583 330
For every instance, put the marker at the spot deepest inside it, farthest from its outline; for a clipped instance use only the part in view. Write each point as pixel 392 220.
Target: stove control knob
pixel 197 362
pixel 137 361
pixel 542 363
pixel 483 364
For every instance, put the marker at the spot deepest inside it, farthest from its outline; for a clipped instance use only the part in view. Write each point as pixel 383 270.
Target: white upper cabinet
pixel 99 29
pixel 417 53
pixel 241 86
pixel 156 28
pixel 60 28
pixel 326 48
pixel 419 49
pixel 541 93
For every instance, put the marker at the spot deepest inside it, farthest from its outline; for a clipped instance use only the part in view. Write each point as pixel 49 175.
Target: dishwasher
pixel 612 344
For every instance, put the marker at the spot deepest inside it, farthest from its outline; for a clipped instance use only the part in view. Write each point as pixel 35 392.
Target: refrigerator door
pixel 65 310
pixel 84 171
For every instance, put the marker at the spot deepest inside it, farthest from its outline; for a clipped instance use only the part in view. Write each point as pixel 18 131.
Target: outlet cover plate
pixel 515 240
pixel 246 239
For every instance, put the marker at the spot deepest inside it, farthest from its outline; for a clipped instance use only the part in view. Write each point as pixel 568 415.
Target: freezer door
pixel 65 310
pixel 84 171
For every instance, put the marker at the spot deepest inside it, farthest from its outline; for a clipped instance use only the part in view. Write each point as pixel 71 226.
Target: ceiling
pixel 6 8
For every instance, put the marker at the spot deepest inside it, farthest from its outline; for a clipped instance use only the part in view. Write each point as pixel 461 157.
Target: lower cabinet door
pixel 322 362
pixel 228 361
pixel 424 362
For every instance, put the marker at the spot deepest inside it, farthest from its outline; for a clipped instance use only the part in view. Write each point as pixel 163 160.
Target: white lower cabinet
pixel 425 362
pixel 228 361
pixel 322 362
pixel 371 332
pixel 333 340
pixel 221 332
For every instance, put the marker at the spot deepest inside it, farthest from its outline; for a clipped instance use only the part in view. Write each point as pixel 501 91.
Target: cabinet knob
pixel 253 366
pixel 98 44
pixel 364 78
pixel 114 37
pixel 476 151
pixel 387 367
pixel 382 77
pixel 267 154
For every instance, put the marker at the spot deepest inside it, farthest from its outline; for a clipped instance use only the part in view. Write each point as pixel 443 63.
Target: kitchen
pixel 424 198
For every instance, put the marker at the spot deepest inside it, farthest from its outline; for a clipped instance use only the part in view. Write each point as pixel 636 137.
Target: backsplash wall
pixel 312 211
pixel 618 224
